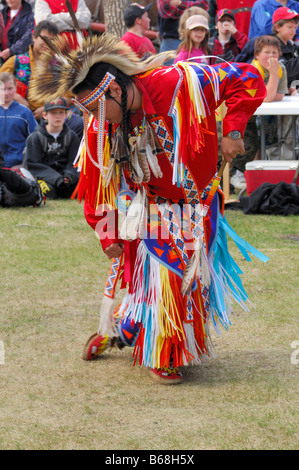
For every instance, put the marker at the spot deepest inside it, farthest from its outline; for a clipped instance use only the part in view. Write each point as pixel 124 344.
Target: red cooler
pixel 269 171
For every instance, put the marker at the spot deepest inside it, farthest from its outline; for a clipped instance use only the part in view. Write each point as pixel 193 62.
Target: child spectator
pixel 262 13
pixel 51 150
pixel 195 43
pixel 241 10
pixel 266 52
pixel 137 21
pixel 187 13
pixel 16 123
pixel 23 67
pixel 285 24
pixel 228 41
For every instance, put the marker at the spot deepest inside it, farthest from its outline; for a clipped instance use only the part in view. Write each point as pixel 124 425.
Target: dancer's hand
pixel 230 148
pixel 115 250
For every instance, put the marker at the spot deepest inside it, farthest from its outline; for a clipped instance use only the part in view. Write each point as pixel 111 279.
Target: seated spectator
pixel 137 21
pixel 285 24
pixel 241 10
pixel 23 66
pixel 19 23
pixel 267 52
pixel 57 12
pixel 16 124
pixel 262 14
pixel 286 34
pixel 51 150
pixel 228 41
pixel 195 44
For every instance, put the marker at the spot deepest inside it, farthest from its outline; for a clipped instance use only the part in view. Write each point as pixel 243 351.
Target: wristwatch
pixel 234 135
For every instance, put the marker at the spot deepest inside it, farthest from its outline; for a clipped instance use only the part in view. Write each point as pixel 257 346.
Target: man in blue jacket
pixel 262 13
pixel 16 123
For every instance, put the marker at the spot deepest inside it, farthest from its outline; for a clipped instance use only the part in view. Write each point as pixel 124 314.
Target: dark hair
pixel 45 25
pixel 95 75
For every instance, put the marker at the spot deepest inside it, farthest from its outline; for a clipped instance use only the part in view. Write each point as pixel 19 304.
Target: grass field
pixel 52 277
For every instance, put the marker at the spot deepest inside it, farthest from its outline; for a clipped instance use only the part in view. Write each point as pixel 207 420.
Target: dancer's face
pixel 113 102
pixel 113 106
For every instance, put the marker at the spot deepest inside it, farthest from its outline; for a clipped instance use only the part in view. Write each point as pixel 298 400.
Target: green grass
pixel 52 277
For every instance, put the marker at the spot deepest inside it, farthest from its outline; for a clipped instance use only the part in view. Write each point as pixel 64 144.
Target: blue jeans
pixel 169 44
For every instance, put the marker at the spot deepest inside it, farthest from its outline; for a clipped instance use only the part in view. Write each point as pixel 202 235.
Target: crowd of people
pixel 206 32
pixel 159 124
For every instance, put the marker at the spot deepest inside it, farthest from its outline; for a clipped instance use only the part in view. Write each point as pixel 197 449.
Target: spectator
pixel 195 43
pixel 285 23
pixel 186 14
pixel 23 66
pixel 289 49
pixel 267 52
pixel 137 21
pixel 228 41
pixel 57 12
pixel 19 23
pixel 17 123
pixel 240 9
pixel 262 14
pixel 169 12
pixel 51 150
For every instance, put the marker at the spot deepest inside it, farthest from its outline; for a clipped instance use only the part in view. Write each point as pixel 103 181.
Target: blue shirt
pixel 16 124
pixel 262 13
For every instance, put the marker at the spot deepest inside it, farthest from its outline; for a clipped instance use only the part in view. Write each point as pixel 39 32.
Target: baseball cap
pixel 284 13
pixel 59 103
pixel 197 20
pixel 134 11
pixel 223 12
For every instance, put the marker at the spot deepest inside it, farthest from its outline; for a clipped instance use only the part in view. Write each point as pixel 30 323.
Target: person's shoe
pixel 167 376
pixel 95 346
pixel 238 180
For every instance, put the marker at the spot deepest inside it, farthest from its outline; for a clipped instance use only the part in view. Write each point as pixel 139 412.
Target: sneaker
pixel 167 376
pixel 95 346
pixel 238 180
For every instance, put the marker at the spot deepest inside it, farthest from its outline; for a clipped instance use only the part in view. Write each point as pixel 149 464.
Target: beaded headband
pixel 98 94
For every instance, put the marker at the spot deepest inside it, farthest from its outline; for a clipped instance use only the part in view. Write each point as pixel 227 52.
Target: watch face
pixel 235 134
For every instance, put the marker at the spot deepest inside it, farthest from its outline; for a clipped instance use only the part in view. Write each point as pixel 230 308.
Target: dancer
pixel 157 163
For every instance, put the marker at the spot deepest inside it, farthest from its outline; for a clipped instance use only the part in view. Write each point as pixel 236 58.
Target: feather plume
pixel 68 67
pixel 190 272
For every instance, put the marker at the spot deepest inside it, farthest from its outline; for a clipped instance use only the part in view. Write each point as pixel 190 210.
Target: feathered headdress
pixel 67 67
pixel 63 66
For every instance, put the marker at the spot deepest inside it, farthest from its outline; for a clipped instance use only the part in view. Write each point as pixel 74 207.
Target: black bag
pixel 276 199
pixel 19 189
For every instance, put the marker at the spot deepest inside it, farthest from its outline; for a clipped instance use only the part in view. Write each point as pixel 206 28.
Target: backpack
pixel 19 189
